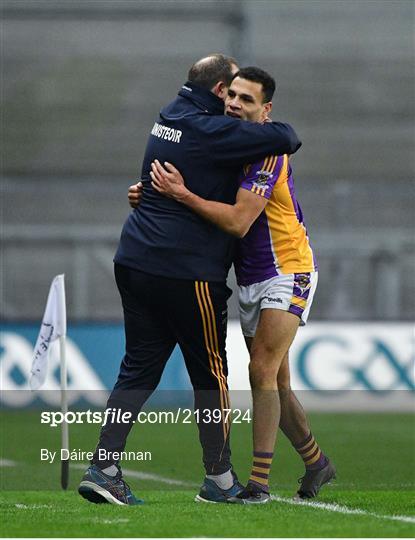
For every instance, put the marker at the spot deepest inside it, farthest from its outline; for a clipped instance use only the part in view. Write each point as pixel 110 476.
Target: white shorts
pixel 288 292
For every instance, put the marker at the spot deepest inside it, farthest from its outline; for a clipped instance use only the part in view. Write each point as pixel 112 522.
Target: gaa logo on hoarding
pixel 355 358
pixel 16 353
pixel 324 357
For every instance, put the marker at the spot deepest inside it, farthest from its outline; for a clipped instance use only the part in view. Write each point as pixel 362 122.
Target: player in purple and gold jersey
pixel 277 278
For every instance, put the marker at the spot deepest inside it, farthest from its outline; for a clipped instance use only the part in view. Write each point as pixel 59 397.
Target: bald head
pixel 212 69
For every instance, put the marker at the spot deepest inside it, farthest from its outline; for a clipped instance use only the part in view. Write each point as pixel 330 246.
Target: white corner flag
pixel 53 327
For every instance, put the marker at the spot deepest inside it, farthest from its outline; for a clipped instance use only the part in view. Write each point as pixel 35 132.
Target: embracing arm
pixel 235 219
pixel 237 142
pixel 135 194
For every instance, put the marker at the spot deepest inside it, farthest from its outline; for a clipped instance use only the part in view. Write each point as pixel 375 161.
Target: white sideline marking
pixel 333 507
pixel 129 472
pixel 7 463
pixel 146 476
pixel 109 521
pixel 32 506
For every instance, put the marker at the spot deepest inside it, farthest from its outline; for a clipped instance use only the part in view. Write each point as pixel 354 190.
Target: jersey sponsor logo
pixel 166 133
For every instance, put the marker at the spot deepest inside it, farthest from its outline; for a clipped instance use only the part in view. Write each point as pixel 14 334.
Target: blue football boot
pixel 210 492
pixel 98 487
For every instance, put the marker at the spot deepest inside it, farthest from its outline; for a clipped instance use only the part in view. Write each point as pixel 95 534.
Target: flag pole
pixel 64 408
pixel 64 393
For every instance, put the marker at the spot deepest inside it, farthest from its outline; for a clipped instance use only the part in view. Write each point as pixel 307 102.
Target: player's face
pixel 245 101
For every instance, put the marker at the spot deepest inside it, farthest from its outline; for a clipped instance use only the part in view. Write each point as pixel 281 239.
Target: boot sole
pixel 97 494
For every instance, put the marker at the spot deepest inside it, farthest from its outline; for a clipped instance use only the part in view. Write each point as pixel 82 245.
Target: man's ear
pixel 220 90
pixel 266 112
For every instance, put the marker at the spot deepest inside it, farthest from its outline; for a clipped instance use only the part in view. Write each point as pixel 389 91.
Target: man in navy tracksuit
pixel 171 268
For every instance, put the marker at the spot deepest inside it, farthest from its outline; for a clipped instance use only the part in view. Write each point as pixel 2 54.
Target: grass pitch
pixel 373 495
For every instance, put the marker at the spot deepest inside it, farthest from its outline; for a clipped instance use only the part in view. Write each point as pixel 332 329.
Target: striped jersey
pixel 277 242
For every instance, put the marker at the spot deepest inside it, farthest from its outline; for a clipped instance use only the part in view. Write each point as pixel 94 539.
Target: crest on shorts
pixel 302 281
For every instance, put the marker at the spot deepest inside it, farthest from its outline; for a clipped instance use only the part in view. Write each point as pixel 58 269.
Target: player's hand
pixel 168 180
pixel 135 194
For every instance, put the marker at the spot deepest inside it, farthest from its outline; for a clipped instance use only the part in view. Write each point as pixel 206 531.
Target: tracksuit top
pixel 163 237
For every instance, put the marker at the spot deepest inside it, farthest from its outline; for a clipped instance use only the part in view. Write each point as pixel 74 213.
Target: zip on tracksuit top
pixel 163 237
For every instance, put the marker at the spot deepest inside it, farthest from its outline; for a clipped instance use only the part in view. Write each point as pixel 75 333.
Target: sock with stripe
pixel 311 453
pixel 261 468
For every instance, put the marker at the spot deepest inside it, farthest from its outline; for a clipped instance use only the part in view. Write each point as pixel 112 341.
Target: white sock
pixel 224 480
pixel 112 470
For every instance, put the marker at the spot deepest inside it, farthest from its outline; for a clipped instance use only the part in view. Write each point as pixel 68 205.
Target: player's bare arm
pixel 235 219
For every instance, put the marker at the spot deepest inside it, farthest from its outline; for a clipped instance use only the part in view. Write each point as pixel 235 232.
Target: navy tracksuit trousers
pixel 159 313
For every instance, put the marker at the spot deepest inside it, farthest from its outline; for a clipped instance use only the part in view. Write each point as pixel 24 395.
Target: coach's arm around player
pixel 135 194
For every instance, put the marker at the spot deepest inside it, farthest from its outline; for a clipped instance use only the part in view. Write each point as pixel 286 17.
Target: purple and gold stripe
pixel 268 167
pixel 311 453
pixel 261 467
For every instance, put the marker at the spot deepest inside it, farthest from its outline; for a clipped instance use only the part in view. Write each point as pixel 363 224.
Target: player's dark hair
pixel 211 69
pixel 260 76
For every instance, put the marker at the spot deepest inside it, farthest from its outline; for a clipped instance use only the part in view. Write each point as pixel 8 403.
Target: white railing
pixel 363 275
